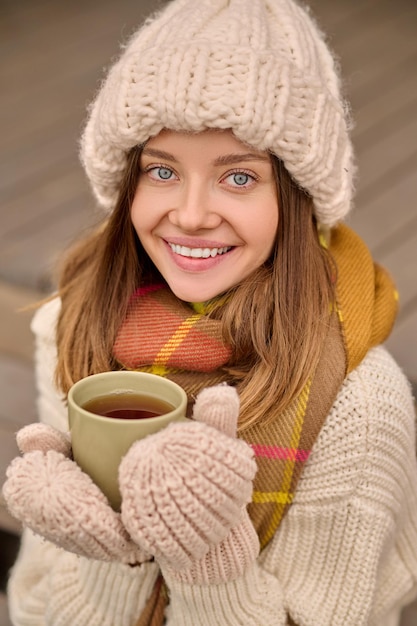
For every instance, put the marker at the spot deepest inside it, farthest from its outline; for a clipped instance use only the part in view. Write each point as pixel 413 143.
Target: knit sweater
pixel 345 554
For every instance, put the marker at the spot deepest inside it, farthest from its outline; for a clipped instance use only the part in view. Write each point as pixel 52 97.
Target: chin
pixel 194 295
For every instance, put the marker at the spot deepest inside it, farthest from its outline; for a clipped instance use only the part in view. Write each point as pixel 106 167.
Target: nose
pixel 195 209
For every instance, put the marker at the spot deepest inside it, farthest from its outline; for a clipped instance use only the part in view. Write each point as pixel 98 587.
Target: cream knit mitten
pixel 185 491
pixel 48 493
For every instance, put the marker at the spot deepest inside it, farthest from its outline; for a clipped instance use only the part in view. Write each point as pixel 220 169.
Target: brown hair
pixel 275 321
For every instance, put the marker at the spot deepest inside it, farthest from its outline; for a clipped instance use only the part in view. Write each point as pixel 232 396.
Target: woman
pixel 219 145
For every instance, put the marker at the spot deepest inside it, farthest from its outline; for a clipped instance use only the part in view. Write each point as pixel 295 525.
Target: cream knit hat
pixel 258 67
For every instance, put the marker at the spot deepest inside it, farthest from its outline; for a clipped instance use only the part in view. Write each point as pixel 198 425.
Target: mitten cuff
pixel 225 561
pixel 253 598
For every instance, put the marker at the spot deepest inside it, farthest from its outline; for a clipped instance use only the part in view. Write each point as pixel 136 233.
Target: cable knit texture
pixel 258 67
pixel 43 438
pixel 84 591
pixel 185 491
pixel 345 554
pixel 66 507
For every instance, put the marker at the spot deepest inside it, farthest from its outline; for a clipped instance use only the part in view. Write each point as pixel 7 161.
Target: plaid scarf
pixel 168 337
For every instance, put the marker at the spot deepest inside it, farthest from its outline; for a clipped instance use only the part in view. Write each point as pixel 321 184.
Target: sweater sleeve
pixel 346 553
pixel 48 585
pixel 51 406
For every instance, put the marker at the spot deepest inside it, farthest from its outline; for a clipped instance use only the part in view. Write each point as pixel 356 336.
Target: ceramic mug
pixel 98 441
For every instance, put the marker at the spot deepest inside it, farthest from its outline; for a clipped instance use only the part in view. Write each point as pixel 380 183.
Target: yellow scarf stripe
pixel 205 308
pixel 158 370
pixel 295 438
pixel 163 356
pixel 289 465
pixel 279 497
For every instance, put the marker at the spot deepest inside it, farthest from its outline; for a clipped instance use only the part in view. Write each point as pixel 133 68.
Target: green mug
pixel 99 441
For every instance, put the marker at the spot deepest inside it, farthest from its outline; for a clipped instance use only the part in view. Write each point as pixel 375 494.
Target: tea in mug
pixel 130 406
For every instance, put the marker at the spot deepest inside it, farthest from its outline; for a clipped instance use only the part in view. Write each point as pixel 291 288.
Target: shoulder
pixel 375 396
pixel 44 321
pixel 377 380
pixel 366 448
pixel 51 407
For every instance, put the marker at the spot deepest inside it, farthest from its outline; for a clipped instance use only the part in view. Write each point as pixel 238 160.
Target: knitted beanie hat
pixel 258 67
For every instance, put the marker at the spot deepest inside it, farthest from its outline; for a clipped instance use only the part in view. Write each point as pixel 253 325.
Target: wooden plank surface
pixel 376 42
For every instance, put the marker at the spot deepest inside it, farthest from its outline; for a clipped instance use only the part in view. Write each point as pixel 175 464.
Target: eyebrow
pixel 229 159
pixel 226 159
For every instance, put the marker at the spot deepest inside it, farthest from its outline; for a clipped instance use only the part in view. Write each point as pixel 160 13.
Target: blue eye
pixel 160 173
pixel 241 179
pixel 164 173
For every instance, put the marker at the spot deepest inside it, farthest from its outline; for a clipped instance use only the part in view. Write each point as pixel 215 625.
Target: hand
pixel 185 490
pixel 48 493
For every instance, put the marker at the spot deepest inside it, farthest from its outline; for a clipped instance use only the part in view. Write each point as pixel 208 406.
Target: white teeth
pixel 198 253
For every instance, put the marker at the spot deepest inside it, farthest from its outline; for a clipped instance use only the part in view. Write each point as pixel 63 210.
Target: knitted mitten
pixel 48 493
pixel 185 491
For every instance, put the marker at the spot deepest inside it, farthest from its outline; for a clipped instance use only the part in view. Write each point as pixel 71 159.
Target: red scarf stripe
pixel 278 452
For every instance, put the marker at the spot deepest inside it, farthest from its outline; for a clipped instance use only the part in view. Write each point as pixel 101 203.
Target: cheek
pixel 136 223
pixel 262 229
pixel 267 236
pixel 148 209
pixel 134 209
pixel 140 215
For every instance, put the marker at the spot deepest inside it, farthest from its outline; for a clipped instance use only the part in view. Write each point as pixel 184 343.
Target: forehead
pixel 209 142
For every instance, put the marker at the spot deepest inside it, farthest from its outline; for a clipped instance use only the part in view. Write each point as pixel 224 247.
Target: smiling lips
pixel 198 253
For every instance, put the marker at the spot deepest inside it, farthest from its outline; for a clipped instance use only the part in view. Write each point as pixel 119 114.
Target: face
pixel 205 210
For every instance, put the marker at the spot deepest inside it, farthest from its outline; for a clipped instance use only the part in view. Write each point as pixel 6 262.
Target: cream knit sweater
pixel 345 554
